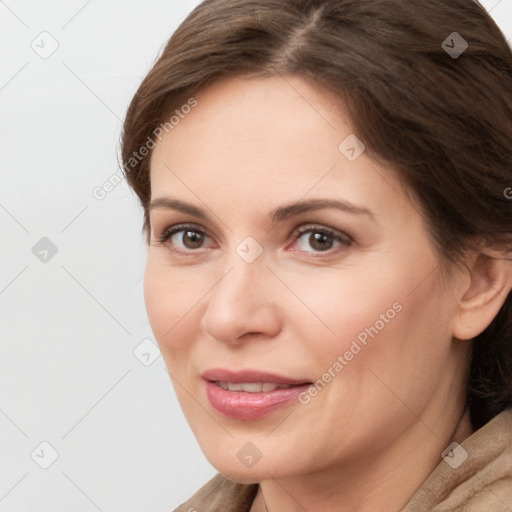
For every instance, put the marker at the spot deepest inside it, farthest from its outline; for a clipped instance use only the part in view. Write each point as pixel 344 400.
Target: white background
pixel 70 325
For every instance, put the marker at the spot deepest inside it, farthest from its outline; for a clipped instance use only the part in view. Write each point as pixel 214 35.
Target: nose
pixel 242 305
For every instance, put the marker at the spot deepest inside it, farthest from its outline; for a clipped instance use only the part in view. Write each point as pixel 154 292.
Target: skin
pixel 370 438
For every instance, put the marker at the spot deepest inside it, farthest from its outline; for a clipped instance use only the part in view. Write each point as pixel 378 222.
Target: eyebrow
pixel 180 206
pixel 278 215
pixel 285 212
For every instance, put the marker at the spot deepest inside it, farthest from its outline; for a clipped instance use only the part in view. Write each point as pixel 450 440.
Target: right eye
pixel 185 239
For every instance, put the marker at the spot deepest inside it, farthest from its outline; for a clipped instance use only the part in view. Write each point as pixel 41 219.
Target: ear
pixel 486 285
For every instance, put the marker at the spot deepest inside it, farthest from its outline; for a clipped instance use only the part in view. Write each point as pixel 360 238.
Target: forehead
pixel 258 116
pixel 257 139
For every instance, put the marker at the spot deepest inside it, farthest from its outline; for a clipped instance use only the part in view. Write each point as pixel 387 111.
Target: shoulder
pixel 221 495
pixel 477 478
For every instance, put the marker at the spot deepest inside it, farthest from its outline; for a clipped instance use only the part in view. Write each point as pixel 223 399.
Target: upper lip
pixel 219 374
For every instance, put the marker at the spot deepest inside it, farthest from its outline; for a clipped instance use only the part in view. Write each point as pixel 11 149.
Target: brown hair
pixel 441 120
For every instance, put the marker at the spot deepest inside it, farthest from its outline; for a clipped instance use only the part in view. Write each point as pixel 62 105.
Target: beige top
pixel 481 483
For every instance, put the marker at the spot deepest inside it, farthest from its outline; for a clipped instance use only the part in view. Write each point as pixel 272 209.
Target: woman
pixel 329 250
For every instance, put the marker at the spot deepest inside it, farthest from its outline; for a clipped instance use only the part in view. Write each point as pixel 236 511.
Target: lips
pixel 221 375
pixel 249 395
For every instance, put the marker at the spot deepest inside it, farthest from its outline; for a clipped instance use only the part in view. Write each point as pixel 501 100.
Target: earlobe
pixel 489 283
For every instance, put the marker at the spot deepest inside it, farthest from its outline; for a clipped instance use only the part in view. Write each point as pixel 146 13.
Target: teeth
pixel 252 387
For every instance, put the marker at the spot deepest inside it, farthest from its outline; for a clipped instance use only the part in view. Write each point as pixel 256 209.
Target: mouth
pixel 251 395
pixel 253 387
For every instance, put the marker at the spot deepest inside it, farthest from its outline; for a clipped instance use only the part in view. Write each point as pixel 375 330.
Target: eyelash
pixel 344 240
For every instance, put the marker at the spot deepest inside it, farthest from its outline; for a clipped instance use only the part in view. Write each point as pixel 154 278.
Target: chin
pixel 236 471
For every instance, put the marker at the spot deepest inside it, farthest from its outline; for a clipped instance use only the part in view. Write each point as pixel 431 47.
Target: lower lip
pixel 250 406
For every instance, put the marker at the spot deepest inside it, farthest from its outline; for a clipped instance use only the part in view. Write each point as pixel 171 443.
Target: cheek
pixel 346 307
pixel 397 344
pixel 374 320
pixel 170 298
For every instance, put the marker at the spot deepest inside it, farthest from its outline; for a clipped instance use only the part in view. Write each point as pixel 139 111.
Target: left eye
pixel 319 240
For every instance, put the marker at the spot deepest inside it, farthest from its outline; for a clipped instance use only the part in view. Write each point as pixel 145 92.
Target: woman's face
pixel 293 253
